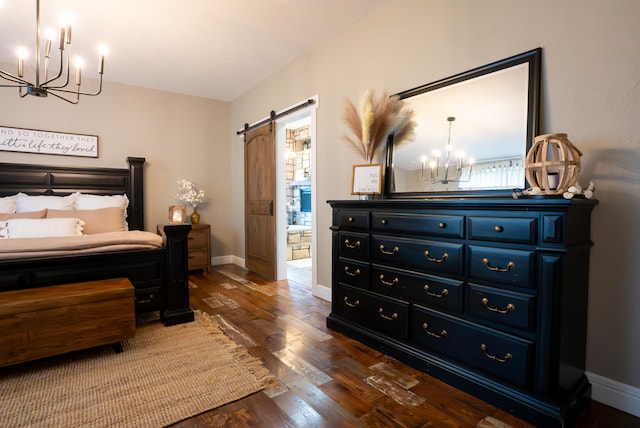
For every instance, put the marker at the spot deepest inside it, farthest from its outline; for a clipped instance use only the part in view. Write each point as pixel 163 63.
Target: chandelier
pixel 452 170
pixel 45 83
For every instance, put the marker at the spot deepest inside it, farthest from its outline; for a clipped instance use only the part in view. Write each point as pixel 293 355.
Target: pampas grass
pixel 374 119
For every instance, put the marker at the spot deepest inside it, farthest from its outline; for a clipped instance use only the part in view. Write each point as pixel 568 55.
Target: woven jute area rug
pixel 164 375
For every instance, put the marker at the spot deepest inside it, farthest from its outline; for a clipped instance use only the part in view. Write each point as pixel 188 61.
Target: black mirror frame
pixel 534 60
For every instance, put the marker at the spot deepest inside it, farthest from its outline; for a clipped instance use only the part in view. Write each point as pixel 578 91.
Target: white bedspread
pixel 22 248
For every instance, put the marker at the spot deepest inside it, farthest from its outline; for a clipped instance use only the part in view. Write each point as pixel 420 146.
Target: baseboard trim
pixel 615 394
pixel 226 260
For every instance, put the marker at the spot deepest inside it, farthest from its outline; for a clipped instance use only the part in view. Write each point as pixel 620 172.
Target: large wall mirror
pixel 473 132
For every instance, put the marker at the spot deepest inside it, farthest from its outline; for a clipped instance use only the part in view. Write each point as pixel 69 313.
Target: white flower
pixel 187 192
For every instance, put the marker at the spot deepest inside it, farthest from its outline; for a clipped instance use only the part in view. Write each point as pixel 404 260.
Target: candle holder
pixel 552 164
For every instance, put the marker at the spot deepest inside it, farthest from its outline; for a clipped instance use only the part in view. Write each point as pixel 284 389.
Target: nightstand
pixel 199 246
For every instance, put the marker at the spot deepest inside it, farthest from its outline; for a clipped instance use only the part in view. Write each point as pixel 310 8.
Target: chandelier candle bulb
pixel 62 37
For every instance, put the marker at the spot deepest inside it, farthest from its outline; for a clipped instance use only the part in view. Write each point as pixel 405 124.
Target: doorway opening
pixel 298 202
pixel 295 198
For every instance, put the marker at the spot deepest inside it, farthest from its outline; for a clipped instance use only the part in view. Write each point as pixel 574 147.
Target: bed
pixel 159 274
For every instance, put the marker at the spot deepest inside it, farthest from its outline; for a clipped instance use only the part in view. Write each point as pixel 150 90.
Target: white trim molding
pixel 615 394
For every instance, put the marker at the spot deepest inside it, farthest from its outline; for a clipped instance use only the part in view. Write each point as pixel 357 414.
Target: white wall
pixel 180 136
pixel 591 90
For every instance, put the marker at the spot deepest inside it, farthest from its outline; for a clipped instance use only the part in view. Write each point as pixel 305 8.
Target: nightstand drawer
pixel 197 256
pixel 197 238
pixel 502 355
pixel 423 224
pixel 430 256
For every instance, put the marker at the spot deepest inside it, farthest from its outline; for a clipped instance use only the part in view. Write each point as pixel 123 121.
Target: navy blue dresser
pixel 488 295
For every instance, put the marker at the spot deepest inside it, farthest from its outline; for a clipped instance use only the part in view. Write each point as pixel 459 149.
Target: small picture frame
pixel 177 214
pixel 366 179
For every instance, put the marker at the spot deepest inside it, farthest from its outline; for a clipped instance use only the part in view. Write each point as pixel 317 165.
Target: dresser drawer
pixel 501 306
pixel 432 290
pixel 504 229
pixel 351 272
pixel 385 315
pixel 513 267
pixel 502 355
pixel 353 220
pixel 354 245
pixel 432 256
pixel 424 224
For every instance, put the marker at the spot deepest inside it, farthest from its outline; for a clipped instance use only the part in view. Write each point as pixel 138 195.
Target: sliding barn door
pixel 259 200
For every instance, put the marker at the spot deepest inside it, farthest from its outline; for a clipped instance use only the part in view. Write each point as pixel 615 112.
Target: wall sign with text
pixel 47 142
pixel 366 179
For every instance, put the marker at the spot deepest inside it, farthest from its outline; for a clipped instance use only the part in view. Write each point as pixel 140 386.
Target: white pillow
pixel 8 204
pixel 44 228
pixel 27 203
pixel 94 202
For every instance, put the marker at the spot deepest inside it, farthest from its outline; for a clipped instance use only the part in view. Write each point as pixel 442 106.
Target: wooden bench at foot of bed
pixel 46 321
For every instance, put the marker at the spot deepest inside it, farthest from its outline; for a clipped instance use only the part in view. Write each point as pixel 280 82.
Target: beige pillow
pixel 100 220
pixel 31 214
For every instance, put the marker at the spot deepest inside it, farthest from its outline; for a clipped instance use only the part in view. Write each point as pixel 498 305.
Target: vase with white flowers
pixel 187 192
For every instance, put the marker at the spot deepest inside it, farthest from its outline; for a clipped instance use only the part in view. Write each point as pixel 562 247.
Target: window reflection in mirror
pixel 473 131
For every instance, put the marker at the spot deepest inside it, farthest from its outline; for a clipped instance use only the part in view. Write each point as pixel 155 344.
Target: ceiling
pixel 215 49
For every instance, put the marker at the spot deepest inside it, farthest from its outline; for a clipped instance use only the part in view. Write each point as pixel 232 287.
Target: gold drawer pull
pixel 350 219
pixel 394 282
pixel 150 299
pixel 390 318
pixel 442 225
pixel 506 358
pixel 444 257
pixel 498 229
pixel 432 294
pixel 353 305
pixel 510 307
pixel 355 273
pixel 383 221
pixel 394 251
pixel 350 245
pixel 442 334
pixel 510 266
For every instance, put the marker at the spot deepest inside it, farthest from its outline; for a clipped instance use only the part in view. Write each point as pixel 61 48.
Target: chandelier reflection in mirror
pixel 59 84
pixel 453 170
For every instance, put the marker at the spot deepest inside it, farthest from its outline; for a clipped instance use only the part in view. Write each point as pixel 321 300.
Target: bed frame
pixel 159 276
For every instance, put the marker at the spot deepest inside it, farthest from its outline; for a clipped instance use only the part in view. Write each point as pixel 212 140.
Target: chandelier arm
pixel 63 98
pixel 12 78
pixel 66 82
pixel 59 72
pixel 91 94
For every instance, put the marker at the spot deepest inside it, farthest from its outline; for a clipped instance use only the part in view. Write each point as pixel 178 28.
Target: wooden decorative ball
pixel 552 163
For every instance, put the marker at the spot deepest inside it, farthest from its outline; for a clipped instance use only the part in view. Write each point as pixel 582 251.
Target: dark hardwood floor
pixel 328 380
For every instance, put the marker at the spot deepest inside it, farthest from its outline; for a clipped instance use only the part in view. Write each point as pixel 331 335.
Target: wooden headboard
pixel 60 180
